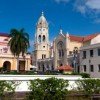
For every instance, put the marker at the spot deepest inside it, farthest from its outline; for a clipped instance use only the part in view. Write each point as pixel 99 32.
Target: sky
pixel 77 17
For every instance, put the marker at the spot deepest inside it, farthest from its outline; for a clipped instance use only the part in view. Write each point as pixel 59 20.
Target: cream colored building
pixel 7 60
pixel 90 56
pixel 64 46
pixel 42 58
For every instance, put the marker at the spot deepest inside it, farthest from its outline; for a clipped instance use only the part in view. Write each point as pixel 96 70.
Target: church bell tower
pixel 41 46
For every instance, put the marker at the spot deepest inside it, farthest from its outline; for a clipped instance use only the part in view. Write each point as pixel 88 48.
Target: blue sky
pixel 78 17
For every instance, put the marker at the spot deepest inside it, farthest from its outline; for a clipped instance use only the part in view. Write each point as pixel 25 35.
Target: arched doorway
pixel 7 66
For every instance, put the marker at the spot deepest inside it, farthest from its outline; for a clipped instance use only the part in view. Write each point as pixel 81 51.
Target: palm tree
pixel 19 43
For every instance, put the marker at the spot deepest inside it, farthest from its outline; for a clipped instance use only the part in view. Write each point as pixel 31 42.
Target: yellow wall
pixel 13 62
pixel 73 44
pixel 7 56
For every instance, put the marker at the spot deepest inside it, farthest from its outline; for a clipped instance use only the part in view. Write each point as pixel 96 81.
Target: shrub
pixel 85 75
pixel 13 72
pixel 48 89
pixel 6 87
pixel 75 73
pixel 89 86
pixel 30 73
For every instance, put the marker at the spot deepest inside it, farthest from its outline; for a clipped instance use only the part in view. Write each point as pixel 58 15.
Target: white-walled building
pixel 90 56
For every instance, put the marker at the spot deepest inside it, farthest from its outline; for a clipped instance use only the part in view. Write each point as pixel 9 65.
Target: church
pixel 66 50
pixel 49 57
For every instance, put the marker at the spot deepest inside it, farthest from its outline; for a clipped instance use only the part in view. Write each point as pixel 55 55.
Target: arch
pixel 60 48
pixel 39 38
pixel 43 38
pixel 7 66
pixel 60 44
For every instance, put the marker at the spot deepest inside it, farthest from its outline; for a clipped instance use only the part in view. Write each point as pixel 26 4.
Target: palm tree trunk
pixel 17 64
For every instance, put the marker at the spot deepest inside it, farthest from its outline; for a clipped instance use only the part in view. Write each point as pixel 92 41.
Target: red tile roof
pixel 89 37
pixel 76 38
pixel 82 39
pixel 4 34
pixel 65 68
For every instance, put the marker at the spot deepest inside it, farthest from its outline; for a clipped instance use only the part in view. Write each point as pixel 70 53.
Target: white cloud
pixel 59 1
pixel 93 4
pixel 87 5
pixel 79 6
pixel 90 8
pixel 81 9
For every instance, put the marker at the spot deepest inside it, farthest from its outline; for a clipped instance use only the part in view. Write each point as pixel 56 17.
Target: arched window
pixel 59 53
pixel 75 51
pixel 60 47
pixel 39 38
pixel 43 38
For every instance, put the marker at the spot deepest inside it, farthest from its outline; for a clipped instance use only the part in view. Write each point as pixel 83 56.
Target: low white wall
pixel 25 80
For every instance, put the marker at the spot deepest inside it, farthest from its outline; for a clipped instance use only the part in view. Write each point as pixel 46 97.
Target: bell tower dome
pixel 42 22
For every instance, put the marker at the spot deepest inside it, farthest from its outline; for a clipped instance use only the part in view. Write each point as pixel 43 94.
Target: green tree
pixel 48 89
pixel 19 43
